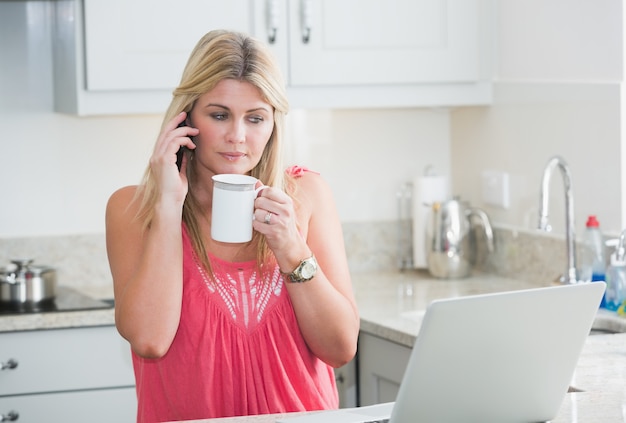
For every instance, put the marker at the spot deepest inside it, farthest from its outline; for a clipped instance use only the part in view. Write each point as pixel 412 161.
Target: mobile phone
pixel 179 157
pixel 181 150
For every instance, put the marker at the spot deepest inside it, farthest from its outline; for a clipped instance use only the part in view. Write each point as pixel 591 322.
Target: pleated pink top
pixel 238 350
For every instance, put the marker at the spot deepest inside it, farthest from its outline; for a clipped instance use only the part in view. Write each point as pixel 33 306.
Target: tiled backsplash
pixel 81 260
pixel 517 255
pixel 527 255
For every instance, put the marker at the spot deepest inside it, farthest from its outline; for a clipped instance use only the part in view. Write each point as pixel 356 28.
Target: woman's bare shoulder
pixel 123 200
pixel 311 186
pixel 124 195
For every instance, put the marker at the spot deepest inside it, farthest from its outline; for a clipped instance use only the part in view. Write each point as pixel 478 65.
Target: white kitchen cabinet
pixel 381 367
pixel 69 375
pixel 346 380
pixel 368 53
pixel 126 56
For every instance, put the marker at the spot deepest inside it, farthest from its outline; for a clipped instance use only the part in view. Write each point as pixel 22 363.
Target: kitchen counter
pixel 391 305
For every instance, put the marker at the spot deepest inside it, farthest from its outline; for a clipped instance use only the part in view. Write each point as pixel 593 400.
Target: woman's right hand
pixel 174 136
pixel 146 262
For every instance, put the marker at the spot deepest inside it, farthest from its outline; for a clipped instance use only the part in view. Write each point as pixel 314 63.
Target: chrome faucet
pixel 570 237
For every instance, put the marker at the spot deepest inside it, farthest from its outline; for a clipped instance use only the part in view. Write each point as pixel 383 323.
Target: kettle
pixel 449 247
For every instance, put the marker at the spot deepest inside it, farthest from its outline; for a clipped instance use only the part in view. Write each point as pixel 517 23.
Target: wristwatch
pixel 305 271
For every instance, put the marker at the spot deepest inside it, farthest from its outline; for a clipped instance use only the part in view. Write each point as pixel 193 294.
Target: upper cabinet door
pixel 144 44
pixel 357 42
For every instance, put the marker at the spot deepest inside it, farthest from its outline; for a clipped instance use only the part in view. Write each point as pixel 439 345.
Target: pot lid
pixel 23 267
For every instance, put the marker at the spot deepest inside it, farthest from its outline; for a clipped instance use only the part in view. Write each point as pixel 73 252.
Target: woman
pixel 221 329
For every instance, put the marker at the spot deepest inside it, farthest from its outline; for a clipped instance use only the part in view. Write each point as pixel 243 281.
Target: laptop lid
pixel 503 357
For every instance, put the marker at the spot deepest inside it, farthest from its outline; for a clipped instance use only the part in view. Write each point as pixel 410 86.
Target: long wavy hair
pixel 217 56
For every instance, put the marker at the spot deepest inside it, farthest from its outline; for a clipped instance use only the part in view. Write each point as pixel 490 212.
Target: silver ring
pixel 268 217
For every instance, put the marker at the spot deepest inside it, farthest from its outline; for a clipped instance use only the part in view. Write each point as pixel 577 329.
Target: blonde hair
pixel 217 56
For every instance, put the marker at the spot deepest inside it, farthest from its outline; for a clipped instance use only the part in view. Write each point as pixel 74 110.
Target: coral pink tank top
pixel 238 350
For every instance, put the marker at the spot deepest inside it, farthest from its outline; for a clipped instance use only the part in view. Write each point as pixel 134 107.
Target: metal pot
pixel 23 283
pixel 449 245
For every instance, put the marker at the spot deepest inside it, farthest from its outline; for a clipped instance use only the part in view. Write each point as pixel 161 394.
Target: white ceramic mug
pixel 233 207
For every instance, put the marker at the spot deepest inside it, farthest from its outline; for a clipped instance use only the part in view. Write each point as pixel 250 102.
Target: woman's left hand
pixel 275 217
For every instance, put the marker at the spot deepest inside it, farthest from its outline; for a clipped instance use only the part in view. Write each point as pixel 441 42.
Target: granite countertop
pixel 391 305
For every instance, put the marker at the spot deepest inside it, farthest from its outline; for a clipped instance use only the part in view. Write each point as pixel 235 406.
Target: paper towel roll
pixel 426 191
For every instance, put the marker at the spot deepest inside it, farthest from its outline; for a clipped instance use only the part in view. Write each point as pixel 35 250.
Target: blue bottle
pixel 615 294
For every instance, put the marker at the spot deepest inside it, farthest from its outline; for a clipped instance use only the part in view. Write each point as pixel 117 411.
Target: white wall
pixel 58 171
pixel 366 155
pixel 557 91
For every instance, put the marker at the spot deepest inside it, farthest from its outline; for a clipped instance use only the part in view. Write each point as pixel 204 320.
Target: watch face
pixel 308 270
pixel 305 271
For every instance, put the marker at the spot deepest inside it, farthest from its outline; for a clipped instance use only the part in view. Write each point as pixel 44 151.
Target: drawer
pixel 99 406
pixel 65 360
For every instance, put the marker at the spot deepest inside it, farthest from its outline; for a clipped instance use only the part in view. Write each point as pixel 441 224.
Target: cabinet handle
pixel 11 416
pixel 340 379
pixel 306 10
pixel 273 15
pixel 10 364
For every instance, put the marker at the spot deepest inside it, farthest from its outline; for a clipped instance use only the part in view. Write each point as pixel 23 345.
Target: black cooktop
pixel 67 299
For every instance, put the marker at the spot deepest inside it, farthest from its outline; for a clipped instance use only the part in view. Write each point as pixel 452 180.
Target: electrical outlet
pixel 495 186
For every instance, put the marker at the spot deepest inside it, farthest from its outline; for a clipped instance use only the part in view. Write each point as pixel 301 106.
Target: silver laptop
pixel 503 357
